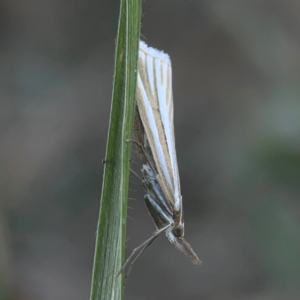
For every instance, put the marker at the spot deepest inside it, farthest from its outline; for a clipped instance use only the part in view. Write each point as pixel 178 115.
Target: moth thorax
pixel 178 230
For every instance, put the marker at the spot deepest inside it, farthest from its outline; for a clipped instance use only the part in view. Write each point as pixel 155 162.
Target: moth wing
pixel 155 104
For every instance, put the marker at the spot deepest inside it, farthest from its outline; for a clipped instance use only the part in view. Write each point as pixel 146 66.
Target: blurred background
pixel 236 71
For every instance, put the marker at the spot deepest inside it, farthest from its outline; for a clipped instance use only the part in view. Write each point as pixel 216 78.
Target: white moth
pixel 154 135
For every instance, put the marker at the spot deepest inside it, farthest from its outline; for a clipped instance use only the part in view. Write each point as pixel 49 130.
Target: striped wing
pixel 155 104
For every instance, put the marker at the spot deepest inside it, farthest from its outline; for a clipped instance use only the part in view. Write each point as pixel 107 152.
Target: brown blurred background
pixel 236 71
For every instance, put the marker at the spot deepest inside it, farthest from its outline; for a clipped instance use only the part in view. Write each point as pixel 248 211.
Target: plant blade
pixel 111 229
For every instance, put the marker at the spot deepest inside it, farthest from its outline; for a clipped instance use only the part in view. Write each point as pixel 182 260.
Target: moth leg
pixel 143 246
pixel 135 173
pixel 143 150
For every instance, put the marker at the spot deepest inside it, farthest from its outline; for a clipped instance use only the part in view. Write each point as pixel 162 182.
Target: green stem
pixel 111 229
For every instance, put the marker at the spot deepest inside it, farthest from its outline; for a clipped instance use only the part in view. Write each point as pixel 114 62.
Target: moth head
pixel 182 245
pixel 178 230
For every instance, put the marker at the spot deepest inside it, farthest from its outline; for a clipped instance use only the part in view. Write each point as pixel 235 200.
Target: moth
pixel 154 137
